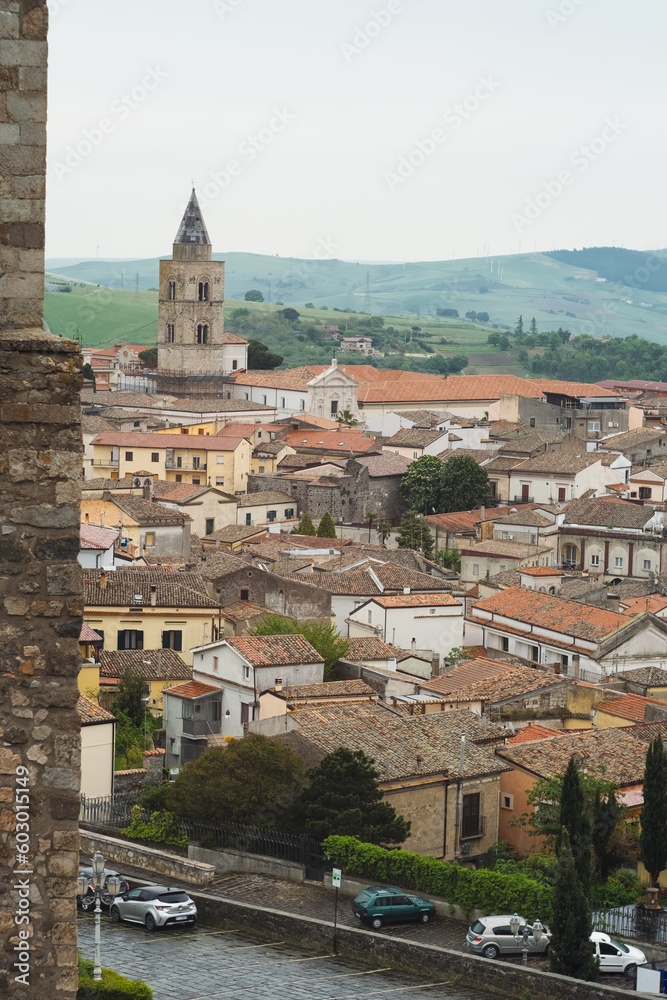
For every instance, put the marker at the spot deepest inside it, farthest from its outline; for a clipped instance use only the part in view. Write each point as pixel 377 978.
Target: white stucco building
pixel 429 621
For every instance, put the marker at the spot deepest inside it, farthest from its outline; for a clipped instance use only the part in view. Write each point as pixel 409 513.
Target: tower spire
pixel 192 228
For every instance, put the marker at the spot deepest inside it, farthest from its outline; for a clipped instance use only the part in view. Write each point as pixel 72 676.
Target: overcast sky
pixel 385 130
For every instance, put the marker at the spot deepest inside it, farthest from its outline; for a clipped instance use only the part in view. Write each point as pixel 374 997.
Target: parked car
pixel 154 906
pixel 492 936
pixel 615 956
pixel 383 905
pixel 87 901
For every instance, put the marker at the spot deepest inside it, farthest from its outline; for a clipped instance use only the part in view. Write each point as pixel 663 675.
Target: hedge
pixel 112 986
pixel 483 889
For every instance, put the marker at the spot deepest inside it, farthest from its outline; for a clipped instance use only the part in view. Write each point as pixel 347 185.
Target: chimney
pixel 420 760
pixel 153 595
pixel 334 363
pixel 102 583
pixel 482 512
pixel 148 489
pixel 413 646
pixel 406 590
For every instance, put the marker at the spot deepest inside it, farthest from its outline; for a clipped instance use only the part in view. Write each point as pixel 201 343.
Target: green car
pixel 383 905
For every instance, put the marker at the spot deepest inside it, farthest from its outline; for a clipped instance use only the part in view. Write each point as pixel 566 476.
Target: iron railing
pixel 633 922
pixel 523 499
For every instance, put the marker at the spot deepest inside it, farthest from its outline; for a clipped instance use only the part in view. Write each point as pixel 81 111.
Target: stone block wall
pixel 23 25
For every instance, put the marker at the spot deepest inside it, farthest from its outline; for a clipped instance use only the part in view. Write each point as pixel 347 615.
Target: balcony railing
pixel 199 727
pixel 106 462
pixel 188 466
pixel 523 499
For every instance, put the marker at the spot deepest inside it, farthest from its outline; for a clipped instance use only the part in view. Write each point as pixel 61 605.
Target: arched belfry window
pixel 170 333
pixel 172 288
pixel 203 291
pixel 202 333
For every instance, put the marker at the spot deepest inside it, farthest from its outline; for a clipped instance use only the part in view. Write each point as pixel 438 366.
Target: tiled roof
pixel 151 664
pixel 233 533
pixel 90 712
pixel 217 405
pixel 630 706
pixel 325 690
pixel 231 338
pixel 632 439
pixel 359 584
pixel 92 537
pixel 193 689
pixel 530 518
pixel 270 650
pixel 93 424
pixel 560 463
pixel 394 577
pixel 181 442
pixel 88 635
pixel 369 648
pixel 444 389
pixel 173 590
pixel 533 732
pixel 401 745
pixel 602 513
pixel 585 389
pixel 612 753
pixel 504 549
pixel 343 439
pixel 413 437
pixel 548 611
pixel 639 605
pixel 241 610
pixel 425 418
pixel 269 496
pixel 467 520
pixel 385 464
pixel 491 681
pixel 540 571
pixel 418 601
pixel 480 455
pixel 648 676
pixel 502 463
pixel 217 563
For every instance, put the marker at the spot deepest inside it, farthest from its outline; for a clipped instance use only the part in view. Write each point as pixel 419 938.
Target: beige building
pixel 98 729
pixel 484 560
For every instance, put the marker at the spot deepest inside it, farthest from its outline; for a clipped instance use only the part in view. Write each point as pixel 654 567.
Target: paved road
pixel 203 963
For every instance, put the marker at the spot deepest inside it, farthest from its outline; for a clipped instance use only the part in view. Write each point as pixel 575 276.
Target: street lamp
pixel 111 889
pixel 515 924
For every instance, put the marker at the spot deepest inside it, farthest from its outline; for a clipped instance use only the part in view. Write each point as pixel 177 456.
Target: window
pixel 532 422
pixel 245 595
pixel 470 816
pixel 644 492
pixel 220 459
pixel 178 477
pixel 505 536
pixel 245 714
pixel 129 456
pixel 248 519
pixel 246 395
pixel 506 801
pixel 334 406
pixel 215 663
pixel 130 638
pixel 593 425
pixel 618 562
pixel 264 400
pixel 370 617
pixel 196 481
pixel 202 333
pixel 155 456
pixel 137 423
pixel 203 291
pixel 172 639
pixel 235 365
pixel 210 525
pixel 535 654
pixel 260 469
pixel 219 481
pixel 505 644
pixel 475 569
pixel 246 671
pixel 415 454
pixel 533 539
pixel 289 512
pixel 170 333
pixel 149 538
pixel 561 493
pixel 172 289
pixel 431 611
pixel 200 430
pixel 302 404
pixel 647 564
pixel 195 462
pixel 595 560
pixel 282 402
pixel 564 663
pixel 216 711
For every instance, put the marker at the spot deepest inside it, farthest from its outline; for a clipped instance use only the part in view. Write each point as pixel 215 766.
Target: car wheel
pixel 491 951
pixel 87 903
pixel 424 918
pixel 150 922
pixel 546 950
pixel 115 915
pixel 630 971
pixel 376 923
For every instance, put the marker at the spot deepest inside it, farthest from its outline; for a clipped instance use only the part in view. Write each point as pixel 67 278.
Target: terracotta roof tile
pixel 533 732
pixel 613 753
pixel 540 571
pixel 193 689
pixel 418 601
pixel 605 512
pixel 639 605
pixel 630 706
pixel 560 463
pixel 182 590
pixel 649 676
pixel 87 634
pixel 504 549
pixel 268 496
pixel 269 650
pixel 325 690
pixel 90 712
pixel 151 664
pixel 369 648
pixel 547 611
pixel 491 681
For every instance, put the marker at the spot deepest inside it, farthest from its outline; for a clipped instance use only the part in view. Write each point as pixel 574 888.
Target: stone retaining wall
pixel 228 860
pixel 139 856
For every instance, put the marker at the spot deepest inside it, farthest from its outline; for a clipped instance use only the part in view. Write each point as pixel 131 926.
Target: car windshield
pixel 363 896
pixel 621 947
pixel 478 927
pixel 174 897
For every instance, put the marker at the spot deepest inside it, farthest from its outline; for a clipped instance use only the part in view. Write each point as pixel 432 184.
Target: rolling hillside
pixel 583 290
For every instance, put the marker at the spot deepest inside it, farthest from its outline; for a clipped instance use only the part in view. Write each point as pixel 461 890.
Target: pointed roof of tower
pixel 192 228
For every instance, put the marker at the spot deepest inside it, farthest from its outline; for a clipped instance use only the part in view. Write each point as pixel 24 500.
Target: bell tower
pixel 191 312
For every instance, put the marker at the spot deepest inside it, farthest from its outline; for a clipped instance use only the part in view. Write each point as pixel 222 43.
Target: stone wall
pixel 41 605
pixel 286 597
pixel 147 858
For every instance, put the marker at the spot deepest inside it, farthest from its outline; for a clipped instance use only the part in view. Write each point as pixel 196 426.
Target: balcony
pixel 106 462
pixel 185 465
pixel 199 727
pixel 523 499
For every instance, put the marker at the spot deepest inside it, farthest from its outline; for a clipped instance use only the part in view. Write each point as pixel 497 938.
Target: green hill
pixel 603 291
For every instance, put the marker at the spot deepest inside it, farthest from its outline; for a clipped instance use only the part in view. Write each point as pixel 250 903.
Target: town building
pixel 143 527
pixel 160 668
pixel 436 618
pixel 493 687
pixel 484 560
pixel 611 536
pixel 98 736
pixel 96 546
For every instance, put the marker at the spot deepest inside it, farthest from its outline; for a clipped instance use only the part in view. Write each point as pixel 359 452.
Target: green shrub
pixel 488 890
pixel 112 986
pixel 160 827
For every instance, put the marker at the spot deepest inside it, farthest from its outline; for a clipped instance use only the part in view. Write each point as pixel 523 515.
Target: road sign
pixel 335 878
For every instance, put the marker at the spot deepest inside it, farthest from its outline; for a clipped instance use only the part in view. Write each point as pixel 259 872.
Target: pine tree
pixel 518 330
pixel 326 529
pixel 533 327
pixel 306 526
pixel 574 820
pixel 571 950
pixel 653 839
pixel 415 534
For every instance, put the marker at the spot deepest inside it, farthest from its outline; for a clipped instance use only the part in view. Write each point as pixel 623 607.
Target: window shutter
pixel 120 644
pixel 140 639
pixel 178 641
pixel 165 640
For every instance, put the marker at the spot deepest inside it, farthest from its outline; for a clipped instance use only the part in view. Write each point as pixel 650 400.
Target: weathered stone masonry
pixel 41 606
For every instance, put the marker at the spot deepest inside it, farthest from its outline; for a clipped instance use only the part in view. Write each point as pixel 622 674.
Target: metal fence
pixel 633 922
pixel 116 812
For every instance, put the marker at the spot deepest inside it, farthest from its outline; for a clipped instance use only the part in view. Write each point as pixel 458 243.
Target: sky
pixel 394 130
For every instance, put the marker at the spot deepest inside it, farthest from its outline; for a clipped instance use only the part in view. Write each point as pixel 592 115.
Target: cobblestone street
pixel 203 963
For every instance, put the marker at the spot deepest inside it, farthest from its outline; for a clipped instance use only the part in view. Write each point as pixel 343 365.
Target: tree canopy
pixel 465 485
pixel 421 485
pixel 254 295
pixel 343 798
pixel 321 635
pixel 149 356
pixel 130 696
pixel 326 527
pixel 250 781
pixel 260 357
pixel 652 839
pixel 415 534
pixel 305 525
pixel 575 825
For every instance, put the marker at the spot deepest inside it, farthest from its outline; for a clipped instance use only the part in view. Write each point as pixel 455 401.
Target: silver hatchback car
pixel 154 906
pixel 492 936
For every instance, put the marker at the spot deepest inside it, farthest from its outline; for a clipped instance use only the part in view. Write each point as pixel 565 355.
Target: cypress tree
pixel 415 534
pixel 653 836
pixel 571 950
pixel 326 529
pixel 306 526
pixel 574 820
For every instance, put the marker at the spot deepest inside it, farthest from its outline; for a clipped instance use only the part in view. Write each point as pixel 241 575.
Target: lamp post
pixel 515 924
pixel 111 887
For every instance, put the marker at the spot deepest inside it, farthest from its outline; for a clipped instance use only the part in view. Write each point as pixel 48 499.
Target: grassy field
pixel 556 292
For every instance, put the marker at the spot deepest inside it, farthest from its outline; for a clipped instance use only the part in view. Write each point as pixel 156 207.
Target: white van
pixel 615 956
